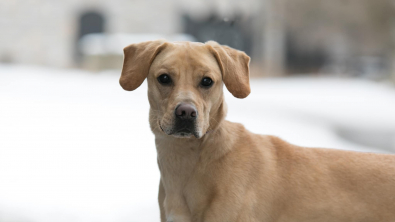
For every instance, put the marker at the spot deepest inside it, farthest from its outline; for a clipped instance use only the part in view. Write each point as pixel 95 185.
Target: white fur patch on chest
pixel 176 218
pixel 170 218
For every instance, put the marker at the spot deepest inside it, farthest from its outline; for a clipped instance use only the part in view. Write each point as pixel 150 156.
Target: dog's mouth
pixel 185 133
pixel 181 132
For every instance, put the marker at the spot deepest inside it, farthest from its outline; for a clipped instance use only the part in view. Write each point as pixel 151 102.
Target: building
pixel 46 32
pixel 282 36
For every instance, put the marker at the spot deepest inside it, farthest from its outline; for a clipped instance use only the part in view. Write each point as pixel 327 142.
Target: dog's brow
pixel 205 70
pixel 166 68
pixel 202 71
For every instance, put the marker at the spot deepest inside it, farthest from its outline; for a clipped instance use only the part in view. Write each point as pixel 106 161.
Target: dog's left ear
pixel 137 61
pixel 234 65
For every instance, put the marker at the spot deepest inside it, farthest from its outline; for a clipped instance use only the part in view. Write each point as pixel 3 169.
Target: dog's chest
pixel 177 167
pixel 178 172
pixel 177 162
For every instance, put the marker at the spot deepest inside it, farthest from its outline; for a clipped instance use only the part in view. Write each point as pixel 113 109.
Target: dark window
pixel 89 22
pixel 233 32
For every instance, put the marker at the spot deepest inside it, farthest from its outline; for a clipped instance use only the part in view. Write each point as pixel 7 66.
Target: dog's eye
pixel 206 82
pixel 164 79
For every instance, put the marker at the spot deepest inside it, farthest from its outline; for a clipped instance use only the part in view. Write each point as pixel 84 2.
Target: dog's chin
pixel 180 133
pixel 186 134
pixel 183 135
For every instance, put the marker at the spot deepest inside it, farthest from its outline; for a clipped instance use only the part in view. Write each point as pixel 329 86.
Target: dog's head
pixel 185 82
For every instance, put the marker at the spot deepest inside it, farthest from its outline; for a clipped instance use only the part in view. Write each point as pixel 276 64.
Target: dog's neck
pixel 179 158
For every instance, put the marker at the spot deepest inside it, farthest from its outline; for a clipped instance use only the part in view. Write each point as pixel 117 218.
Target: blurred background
pixel 75 147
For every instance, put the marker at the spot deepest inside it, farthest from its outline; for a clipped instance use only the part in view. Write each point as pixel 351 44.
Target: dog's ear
pixel 234 65
pixel 137 61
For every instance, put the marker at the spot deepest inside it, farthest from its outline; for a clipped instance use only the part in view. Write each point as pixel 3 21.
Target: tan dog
pixel 213 170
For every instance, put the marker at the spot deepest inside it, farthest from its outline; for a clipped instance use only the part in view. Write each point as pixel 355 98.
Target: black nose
pixel 186 111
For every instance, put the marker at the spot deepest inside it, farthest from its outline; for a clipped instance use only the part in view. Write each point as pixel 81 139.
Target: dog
pixel 213 170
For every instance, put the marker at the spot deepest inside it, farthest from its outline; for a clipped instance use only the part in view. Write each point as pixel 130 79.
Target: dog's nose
pixel 186 111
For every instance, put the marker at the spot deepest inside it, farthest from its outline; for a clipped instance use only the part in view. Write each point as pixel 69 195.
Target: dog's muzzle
pixel 185 121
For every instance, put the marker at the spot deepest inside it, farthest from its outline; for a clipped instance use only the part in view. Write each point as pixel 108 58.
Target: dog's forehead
pixel 186 53
pixel 187 49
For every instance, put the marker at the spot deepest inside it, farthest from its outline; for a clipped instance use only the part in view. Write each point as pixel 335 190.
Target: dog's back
pixel 334 184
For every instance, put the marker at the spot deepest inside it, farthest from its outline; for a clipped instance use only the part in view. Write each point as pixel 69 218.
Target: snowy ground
pixel 75 147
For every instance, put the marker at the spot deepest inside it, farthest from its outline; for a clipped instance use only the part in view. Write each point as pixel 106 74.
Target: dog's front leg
pixel 175 212
pixel 176 209
pixel 161 199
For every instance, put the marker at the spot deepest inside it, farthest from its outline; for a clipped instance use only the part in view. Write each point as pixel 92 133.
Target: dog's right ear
pixel 137 61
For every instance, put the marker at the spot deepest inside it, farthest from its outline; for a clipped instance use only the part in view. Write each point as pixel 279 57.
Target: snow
pixel 75 147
